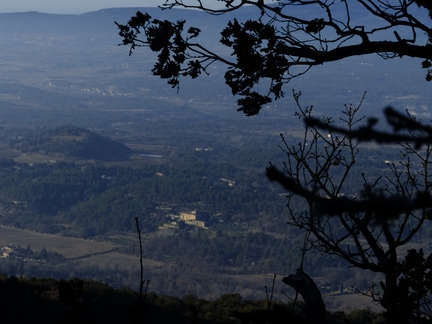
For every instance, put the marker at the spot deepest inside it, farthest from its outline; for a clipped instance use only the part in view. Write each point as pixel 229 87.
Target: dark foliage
pixel 284 41
pixel 384 206
pixel 377 220
pixel 81 301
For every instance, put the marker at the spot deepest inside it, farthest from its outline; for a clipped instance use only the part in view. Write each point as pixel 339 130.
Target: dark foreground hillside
pixel 79 301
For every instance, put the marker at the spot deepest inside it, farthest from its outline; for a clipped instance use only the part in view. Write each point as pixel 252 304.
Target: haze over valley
pixel 89 140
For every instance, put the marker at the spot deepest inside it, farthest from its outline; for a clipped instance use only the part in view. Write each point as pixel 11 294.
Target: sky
pixel 71 6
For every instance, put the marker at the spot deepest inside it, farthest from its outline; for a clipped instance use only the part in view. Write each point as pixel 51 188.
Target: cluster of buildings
pixel 193 218
pixel 9 250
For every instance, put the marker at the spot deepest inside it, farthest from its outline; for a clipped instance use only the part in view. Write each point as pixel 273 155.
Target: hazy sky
pixel 71 6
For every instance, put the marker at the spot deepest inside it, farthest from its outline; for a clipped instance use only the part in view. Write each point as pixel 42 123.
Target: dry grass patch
pixel 8 153
pixel 124 261
pixel 349 302
pixel 134 162
pixel 69 247
pixel 30 158
pixel 154 149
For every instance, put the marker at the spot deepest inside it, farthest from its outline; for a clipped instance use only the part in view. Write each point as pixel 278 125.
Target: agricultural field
pixel 70 248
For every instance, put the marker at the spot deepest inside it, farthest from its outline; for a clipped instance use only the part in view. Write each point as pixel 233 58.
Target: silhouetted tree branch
pixel 369 227
pixel 142 280
pixel 284 41
pixel 394 118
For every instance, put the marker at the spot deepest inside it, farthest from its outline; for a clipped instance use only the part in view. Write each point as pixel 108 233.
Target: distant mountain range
pixel 101 21
pixel 78 56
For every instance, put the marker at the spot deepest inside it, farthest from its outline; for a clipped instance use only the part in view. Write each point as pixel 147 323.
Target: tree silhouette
pixel 284 41
pixel 367 228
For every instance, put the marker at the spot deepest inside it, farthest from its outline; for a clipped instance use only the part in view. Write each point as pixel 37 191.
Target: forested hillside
pixel 70 141
pixel 245 224
pixel 134 147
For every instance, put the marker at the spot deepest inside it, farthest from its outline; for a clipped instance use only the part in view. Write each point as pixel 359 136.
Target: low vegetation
pixel 81 301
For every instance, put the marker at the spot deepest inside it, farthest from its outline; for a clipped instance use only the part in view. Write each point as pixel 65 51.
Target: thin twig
pixel 269 300
pixel 142 281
